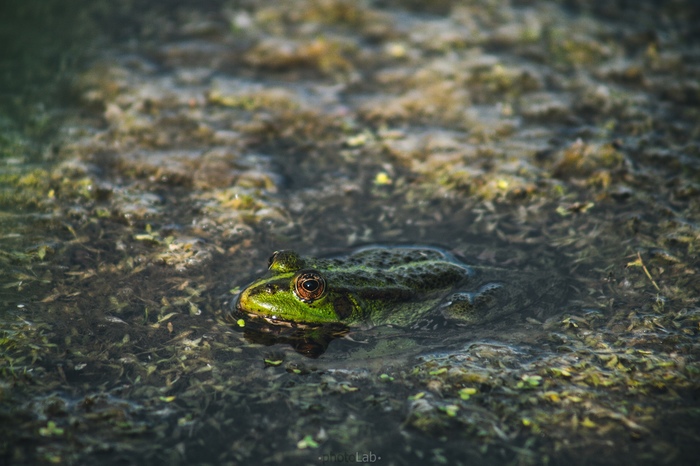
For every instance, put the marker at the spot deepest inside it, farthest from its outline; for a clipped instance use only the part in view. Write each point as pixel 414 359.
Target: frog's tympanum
pixel 401 286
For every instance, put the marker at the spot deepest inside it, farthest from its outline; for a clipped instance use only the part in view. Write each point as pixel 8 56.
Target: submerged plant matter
pixel 144 189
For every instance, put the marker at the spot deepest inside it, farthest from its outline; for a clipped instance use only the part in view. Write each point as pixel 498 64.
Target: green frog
pixel 402 286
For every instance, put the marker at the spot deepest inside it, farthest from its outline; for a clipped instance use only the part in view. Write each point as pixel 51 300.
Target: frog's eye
pixel 309 285
pixel 271 260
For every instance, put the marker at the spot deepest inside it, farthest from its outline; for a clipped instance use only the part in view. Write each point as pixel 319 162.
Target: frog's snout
pixel 237 301
pixel 257 297
pixel 241 300
pixel 252 291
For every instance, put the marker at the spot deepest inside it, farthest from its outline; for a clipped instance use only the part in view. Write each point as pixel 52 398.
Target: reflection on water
pixel 310 340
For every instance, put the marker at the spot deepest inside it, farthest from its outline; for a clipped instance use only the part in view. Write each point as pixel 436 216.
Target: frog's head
pixel 294 292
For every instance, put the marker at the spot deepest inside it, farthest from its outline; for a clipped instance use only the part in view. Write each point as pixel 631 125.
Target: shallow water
pixel 152 157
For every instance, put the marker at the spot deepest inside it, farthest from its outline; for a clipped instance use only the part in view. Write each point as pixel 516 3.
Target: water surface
pixel 153 157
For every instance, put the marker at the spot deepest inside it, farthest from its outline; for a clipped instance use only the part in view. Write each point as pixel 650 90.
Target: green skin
pixel 377 286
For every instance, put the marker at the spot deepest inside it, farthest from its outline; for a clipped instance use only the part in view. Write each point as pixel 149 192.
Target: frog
pixel 380 285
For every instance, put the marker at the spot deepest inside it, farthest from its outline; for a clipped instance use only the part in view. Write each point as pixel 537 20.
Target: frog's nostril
pixel 270 288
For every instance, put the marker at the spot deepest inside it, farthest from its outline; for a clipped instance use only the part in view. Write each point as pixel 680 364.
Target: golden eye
pixel 309 285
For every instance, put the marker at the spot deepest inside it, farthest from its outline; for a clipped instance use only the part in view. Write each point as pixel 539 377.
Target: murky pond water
pixel 153 157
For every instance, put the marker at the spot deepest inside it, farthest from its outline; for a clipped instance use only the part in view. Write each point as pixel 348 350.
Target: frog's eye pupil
pixel 309 285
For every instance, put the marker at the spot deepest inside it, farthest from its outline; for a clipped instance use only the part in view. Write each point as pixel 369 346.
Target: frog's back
pixel 419 269
pixel 396 284
pixel 389 257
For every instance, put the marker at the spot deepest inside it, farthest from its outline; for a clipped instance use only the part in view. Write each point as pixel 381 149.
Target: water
pixel 153 159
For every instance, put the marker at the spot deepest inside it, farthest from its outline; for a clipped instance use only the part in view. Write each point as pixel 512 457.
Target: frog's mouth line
pixel 270 320
pixel 282 323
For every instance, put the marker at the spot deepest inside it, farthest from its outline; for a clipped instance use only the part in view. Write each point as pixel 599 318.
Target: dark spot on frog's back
pixel 387 293
pixel 343 307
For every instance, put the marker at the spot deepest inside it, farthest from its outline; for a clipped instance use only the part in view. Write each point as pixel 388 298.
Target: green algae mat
pixel 153 156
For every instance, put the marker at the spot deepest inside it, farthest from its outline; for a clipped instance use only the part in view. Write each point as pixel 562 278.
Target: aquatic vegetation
pixel 142 188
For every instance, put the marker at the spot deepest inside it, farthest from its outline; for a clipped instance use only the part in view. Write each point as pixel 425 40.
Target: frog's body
pixel 374 286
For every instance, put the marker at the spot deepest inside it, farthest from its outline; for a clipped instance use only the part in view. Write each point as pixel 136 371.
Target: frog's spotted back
pixel 385 258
